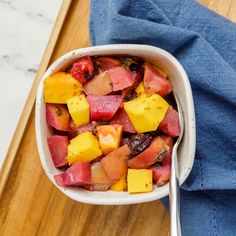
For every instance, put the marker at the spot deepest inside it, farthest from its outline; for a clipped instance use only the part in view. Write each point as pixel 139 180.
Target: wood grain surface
pixel 30 204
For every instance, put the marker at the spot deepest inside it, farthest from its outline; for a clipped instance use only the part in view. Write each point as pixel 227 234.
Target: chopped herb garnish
pixel 87 75
pixel 127 63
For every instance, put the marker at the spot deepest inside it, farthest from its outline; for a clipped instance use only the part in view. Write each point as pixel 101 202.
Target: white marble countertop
pixel 24 32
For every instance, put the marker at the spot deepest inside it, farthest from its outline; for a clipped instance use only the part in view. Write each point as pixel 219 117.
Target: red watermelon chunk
pixel 103 108
pixel 58 146
pixel 121 118
pixel 154 81
pixel 77 175
pixel 170 124
pixel 120 78
pixel 107 63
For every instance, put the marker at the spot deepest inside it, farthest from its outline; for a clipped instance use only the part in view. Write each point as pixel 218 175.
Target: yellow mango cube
pixel 120 185
pixel 139 181
pixel 140 89
pixel 146 112
pixel 79 110
pixel 83 148
pixel 59 87
pixel 109 137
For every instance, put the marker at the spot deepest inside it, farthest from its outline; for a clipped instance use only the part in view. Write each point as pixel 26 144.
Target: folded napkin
pixel 205 44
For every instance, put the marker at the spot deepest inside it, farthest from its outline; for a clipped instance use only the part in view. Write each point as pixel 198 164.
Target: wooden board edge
pixel 28 107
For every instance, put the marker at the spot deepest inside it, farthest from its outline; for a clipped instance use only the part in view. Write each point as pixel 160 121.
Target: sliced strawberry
pixel 83 69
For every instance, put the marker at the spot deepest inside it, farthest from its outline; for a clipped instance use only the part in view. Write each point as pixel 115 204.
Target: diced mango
pixel 109 137
pixel 120 185
pixel 139 181
pixel 59 87
pixel 83 148
pixel 79 110
pixel 146 112
pixel 140 89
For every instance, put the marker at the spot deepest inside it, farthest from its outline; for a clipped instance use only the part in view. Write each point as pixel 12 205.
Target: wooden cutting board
pixel 29 203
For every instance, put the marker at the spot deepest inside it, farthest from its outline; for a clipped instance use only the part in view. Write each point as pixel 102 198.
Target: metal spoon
pixel 174 196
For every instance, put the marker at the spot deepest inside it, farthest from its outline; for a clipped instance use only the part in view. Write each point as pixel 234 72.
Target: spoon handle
pixel 175 227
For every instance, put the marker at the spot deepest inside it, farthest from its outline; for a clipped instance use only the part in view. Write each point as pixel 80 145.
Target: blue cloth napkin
pixel 205 44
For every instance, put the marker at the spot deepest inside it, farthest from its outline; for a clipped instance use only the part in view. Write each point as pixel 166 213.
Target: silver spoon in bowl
pixel 174 195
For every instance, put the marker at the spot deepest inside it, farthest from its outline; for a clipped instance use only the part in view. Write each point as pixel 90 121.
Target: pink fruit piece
pixel 169 141
pixel 121 118
pixel 77 175
pixel 170 124
pixel 136 77
pixel 98 187
pixel 83 69
pixel 57 116
pixel 167 159
pixel 107 63
pixel 103 108
pixel 100 85
pixel 98 159
pixel 74 130
pixel 99 178
pixel 120 78
pixel 154 81
pixel 115 163
pixel 88 127
pixel 155 152
pixel 161 175
pixel 58 146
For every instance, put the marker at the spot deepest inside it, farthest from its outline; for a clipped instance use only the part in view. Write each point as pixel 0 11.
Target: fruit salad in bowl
pixel 106 123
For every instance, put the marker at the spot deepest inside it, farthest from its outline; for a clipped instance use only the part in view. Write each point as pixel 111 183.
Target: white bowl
pixel 181 87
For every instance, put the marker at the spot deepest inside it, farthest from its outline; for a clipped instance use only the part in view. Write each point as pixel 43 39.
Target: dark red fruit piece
pixel 83 69
pixel 137 143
